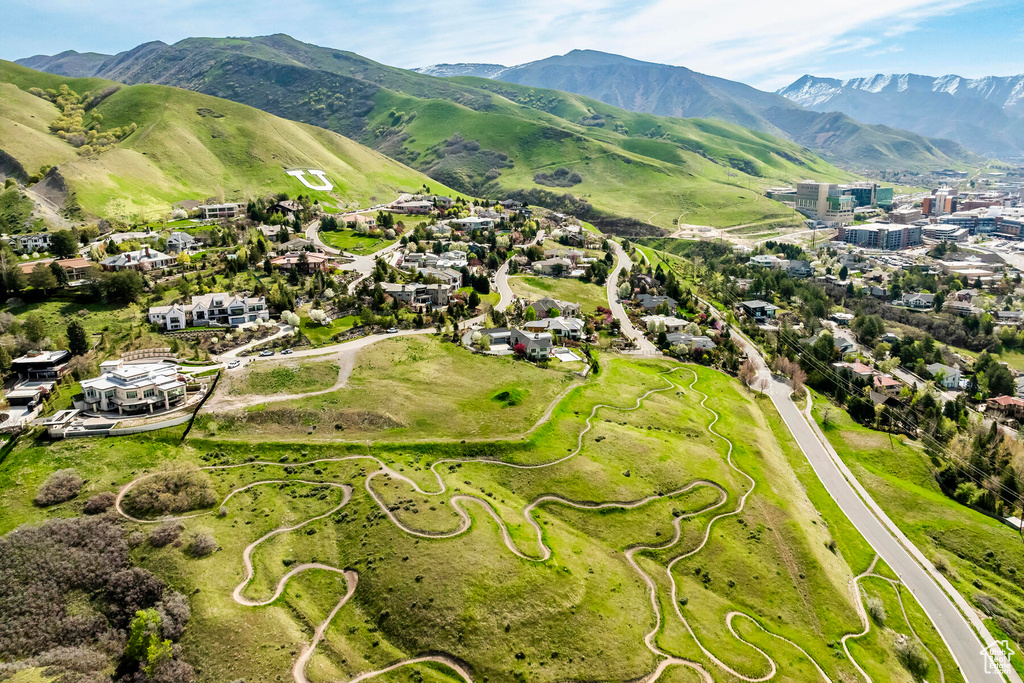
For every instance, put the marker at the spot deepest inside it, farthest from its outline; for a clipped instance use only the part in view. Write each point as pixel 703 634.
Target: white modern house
pixel 211 309
pixel 134 388
pixel 560 327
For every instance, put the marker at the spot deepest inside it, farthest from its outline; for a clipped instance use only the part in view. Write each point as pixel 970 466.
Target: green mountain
pixel 677 91
pixel 186 146
pixel 490 138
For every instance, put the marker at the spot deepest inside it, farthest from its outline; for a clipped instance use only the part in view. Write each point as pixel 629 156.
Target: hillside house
pixel 559 327
pixel 758 310
pixel 134 388
pixel 555 267
pixel 210 309
pixel 666 323
pixel 650 302
pixel 550 308
pixel 313 262
pixel 181 241
pixel 919 300
pixel 692 341
pixel 31 242
pixel 217 211
pixel 537 345
pixel 950 376
pixel 141 260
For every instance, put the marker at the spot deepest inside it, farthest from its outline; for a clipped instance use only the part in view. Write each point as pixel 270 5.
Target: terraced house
pixel 135 388
pixel 218 309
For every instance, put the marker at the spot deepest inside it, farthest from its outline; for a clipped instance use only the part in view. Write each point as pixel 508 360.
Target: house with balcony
pixel 31 242
pixel 536 345
pixel 217 309
pixel 559 327
pixel 134 388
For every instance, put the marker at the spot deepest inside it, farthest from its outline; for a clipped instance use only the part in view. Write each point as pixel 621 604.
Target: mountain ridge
pixel 678 91
pixel 984 114
pixel 491 141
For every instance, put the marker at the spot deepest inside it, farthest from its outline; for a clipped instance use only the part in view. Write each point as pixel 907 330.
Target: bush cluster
pixel 171 492
pixel 68 593
pixel 61 486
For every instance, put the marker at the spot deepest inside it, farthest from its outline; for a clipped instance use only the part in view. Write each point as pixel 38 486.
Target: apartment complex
pixel 210 309
pixel 886 236
pixel 135 388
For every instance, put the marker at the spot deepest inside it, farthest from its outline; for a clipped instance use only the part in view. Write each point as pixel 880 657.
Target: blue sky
pixel 766 44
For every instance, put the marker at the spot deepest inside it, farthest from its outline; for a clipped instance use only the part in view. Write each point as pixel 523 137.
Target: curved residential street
pixel 959 628
pixel 630 332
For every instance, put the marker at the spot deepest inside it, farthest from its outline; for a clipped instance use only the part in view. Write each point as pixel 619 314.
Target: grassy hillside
pixel 489 138
pixel 187 146
pixel 715 530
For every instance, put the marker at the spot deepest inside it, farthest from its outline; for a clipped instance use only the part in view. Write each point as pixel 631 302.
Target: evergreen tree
pixel 78 340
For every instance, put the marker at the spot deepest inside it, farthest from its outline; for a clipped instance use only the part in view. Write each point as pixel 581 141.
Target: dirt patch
pixel 53 187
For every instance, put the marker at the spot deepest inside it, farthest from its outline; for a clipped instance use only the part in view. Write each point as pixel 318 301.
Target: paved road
pixel 622 261
pixel 914 570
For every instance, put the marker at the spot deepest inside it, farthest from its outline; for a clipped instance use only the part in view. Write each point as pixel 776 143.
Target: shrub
pixel 202 545
pixel 170 492
pixel 174 614
pixel 61 486
pixel 101 502
pixel 912 657
pixel 876 610
pixel 165 534
pixel 57 585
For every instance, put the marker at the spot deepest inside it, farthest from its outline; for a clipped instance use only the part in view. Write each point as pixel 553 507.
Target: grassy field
pixel 189 146
pixel 587 294
pixel 582 614
pixel 349 240
pixel 983 554
pixel 320 334
pixel 405 389
pixel 285 377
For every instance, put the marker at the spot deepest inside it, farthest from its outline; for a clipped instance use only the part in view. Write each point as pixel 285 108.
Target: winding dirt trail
pixel 459 503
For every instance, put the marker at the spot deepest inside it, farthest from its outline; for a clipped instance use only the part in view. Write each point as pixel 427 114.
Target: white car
pixel 234 364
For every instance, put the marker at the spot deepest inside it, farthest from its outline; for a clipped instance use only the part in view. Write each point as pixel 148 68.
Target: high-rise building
pixel 824 202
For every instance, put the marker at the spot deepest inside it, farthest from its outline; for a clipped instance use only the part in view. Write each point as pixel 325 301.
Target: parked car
pixel 392 330
pixel 287 352
pixel 268 352
pixel 234 364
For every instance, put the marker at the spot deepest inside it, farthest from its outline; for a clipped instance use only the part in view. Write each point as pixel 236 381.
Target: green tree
pixel 938 302
pixel 35 328
pixel 474 299
pixel 59 273
pixel 78 340
pixel 124 286
pixel 63 244
pixel 5 361
pixel 1000 380
pixel 42 278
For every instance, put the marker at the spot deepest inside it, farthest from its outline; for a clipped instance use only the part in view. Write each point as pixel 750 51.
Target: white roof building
pixel 134 388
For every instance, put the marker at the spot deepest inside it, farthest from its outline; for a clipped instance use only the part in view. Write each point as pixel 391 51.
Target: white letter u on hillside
pixel 324 186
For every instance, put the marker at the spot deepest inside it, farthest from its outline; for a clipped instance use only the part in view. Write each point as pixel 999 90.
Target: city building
pixel 134 388
pixel 210 309
pixel 824 202
pixel 868 194
pixel 886 236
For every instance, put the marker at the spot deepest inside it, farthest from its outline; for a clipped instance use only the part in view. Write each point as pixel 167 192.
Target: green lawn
pixel 349 240
pixel 285 377
pixel 319 335
pixel 589 295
